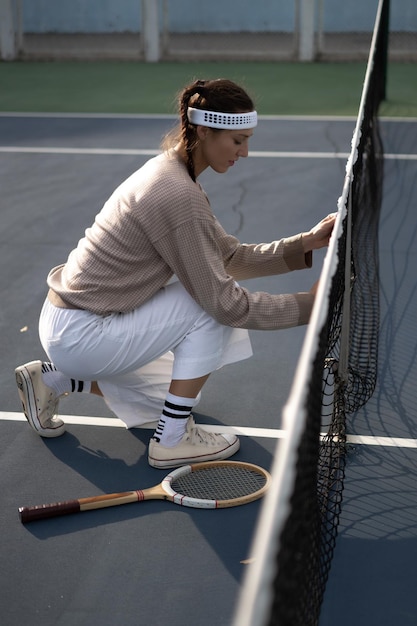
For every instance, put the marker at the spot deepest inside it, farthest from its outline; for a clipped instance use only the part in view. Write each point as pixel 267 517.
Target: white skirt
pixel 134 356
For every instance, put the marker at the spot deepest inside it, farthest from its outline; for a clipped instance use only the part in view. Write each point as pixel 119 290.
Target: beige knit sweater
pixel 159 223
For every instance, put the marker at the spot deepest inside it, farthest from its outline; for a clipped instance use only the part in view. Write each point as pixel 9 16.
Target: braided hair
pixel 221 95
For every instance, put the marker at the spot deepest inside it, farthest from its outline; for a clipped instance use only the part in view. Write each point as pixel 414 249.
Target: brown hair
pixel 221 95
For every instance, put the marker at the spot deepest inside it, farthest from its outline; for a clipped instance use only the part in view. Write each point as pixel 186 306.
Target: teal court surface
pixel 154 562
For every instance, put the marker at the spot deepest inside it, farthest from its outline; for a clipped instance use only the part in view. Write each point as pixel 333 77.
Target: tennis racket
pixel 211 485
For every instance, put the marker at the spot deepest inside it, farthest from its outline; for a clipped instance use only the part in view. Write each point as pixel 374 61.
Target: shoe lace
pixel 201 436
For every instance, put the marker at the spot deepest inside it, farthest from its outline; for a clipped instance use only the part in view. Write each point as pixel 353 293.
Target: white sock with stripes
pixel 173 421
pixel 62 384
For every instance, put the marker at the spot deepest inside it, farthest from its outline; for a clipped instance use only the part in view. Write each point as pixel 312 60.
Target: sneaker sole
pixel 25 389
pixel 220 455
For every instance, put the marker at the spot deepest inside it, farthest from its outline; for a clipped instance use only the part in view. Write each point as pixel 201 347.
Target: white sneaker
pixel 196 446
pixel 40 403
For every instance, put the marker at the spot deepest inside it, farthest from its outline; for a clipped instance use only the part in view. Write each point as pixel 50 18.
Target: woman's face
pixel 220 149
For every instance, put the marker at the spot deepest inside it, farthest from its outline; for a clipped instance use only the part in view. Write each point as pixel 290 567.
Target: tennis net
pixel 336 375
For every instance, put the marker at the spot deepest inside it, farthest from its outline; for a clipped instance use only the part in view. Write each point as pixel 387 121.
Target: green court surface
pixel 134 87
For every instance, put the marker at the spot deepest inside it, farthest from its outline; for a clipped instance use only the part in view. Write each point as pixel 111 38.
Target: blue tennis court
pixel 157 562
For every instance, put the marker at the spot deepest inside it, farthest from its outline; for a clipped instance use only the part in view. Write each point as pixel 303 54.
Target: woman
pixel 147 305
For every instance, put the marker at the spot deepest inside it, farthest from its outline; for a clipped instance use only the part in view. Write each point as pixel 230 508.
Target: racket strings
pixel 219 483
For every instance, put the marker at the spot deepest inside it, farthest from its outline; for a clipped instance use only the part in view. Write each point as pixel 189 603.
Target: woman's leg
pixel 111 349
pixel 179 402
pixel 95 389
pixel 188 388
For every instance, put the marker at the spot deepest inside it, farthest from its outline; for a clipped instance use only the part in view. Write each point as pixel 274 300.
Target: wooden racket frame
pixel 161 491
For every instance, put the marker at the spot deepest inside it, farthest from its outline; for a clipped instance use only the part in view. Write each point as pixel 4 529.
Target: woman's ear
pixel 202 132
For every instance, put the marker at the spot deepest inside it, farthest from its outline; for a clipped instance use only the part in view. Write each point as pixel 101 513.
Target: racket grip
pixel 32 513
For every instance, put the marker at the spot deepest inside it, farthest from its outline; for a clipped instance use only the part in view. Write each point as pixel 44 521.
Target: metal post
pixel 7 31
pixel 320 27
pixel 306 31
pixel 150 28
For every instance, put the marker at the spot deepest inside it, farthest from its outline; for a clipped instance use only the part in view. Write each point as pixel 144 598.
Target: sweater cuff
pixel 305 303
pixel 294 255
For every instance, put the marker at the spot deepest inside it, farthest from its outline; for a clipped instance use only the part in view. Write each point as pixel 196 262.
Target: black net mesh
pixel 309 534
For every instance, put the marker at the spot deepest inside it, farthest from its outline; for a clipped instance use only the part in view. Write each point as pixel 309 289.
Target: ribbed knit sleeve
pixel 194 253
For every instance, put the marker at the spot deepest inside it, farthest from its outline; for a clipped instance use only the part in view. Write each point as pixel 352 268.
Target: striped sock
pixel 62 384
pixel 173 421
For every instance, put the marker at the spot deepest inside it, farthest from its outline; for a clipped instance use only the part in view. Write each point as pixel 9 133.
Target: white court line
pixel 64 150
pixel 153 152
pixel 265 154
pixel 245 431
pixel 168 116
pixel 172 116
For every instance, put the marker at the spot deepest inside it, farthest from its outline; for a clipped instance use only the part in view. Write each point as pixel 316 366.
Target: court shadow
pixel 115 460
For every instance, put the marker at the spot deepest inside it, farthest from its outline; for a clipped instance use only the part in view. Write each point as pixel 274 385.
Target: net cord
pixel 256 594
pixel 345 330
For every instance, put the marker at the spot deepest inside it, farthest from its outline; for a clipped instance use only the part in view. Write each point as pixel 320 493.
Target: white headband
pixel 224 121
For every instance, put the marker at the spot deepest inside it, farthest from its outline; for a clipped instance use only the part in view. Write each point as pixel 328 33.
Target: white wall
pixel 95 16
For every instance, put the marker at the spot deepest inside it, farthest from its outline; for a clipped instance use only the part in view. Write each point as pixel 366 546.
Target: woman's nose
pixel 243 150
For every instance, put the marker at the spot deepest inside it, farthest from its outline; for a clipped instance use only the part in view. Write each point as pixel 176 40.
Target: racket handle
pixel 32 513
